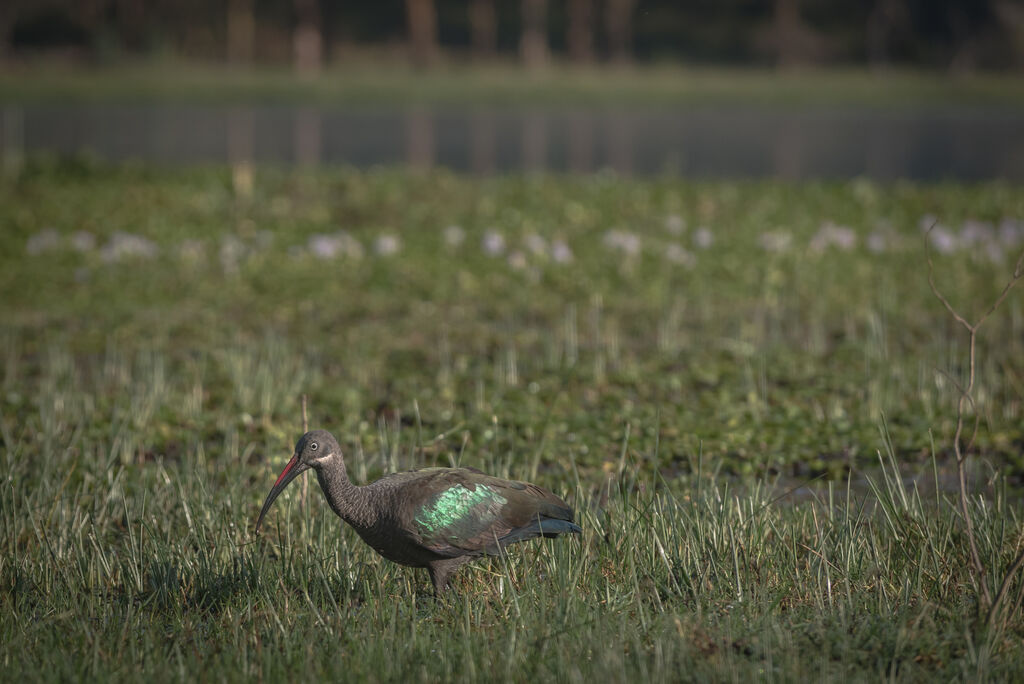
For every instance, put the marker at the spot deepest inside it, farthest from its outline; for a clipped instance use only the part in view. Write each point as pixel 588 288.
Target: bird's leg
pixel 439 576
pixel 441 572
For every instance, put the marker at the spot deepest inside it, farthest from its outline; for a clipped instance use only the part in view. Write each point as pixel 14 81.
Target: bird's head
pixel 314 449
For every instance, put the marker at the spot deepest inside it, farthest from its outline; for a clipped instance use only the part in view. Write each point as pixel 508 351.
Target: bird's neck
pixel 349 501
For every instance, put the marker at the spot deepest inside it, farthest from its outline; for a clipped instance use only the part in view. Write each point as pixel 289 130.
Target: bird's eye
pixel 313 446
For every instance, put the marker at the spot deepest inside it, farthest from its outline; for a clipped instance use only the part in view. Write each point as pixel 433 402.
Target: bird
pixel 433 518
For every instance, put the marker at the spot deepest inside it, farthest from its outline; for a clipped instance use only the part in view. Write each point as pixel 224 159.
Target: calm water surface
pixel 928 143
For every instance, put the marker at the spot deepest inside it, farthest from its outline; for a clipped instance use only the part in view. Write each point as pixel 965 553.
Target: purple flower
pixel 703 237
pixel 1010 232
pixel 560 252
pixel 493 243
pixel 974 232
pixel 387 244
pixel 943 240
pixel 775 240
pixel 877 242
pixel 339 244
pixel 324 246
pixel 83 241
pixel 830 234
pixel 45 240
pixel 677 254
pixel 623 241
pixel 231 252
pixel 126 245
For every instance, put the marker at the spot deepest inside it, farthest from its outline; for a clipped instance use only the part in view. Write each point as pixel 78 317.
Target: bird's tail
pixel 547 527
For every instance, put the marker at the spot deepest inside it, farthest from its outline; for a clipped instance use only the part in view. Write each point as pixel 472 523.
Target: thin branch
pixel 1018 273
pixel 931 281
pixel 1003 588
pixel 962 450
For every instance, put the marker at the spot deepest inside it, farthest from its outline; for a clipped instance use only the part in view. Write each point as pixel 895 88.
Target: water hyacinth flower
pixel 703 237
pixel 231 252
pixel 561 252
pixel 830 234
pixel 127 245
pixel 334 246
pixel 454 236
pixel 493 243
pixel 677 254
pixel 974 232
pixel 943 239
pixel 877 242
pixel 45 240
pixel 623 241
pixel 387 244
pixel 1011 232
pixel 83 241
pixel 674 224
pixel 324 246
pixel 775 241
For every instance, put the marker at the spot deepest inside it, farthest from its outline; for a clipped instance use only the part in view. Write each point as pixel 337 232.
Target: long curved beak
pixel 290 472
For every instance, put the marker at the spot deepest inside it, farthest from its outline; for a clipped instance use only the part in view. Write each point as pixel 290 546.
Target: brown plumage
pixel 434 518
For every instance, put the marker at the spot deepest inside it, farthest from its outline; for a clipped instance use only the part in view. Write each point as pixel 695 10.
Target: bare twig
pixel 963 450
pixel 1003 588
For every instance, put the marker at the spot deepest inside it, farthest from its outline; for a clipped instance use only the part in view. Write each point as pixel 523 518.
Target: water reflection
pixel 482 139
pixel 535 141
pixel 581 143
pixel 241 133
pixel 308 141
pixel 419 138
pixel 727 140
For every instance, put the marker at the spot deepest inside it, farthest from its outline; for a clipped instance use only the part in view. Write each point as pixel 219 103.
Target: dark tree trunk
pixel 421 19
pixel 794 42
pixel 580 37
pixel 8 11
pixel 533 45
pixel 1010 16
pixel 307 43
pixel 131 21
pixel 241 31
pixel 483 25
pixel 787 29
pixel 618 19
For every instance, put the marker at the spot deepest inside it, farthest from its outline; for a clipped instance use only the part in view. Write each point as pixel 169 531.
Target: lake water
pixel 927 143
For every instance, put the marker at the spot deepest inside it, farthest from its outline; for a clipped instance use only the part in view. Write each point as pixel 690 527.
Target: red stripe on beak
pixel 287 468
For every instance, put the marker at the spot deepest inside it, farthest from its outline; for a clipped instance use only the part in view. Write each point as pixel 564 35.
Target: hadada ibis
pixel 433 518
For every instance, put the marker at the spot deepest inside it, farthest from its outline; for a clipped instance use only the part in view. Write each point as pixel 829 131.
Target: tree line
pixel 944 34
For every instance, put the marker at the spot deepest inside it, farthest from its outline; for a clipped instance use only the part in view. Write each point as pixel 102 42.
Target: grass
pixel 675 394
pixel 363 82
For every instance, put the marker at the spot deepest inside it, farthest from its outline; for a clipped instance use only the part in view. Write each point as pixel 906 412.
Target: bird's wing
pixel 459 511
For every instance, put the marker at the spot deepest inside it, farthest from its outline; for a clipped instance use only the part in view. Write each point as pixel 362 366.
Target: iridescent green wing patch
pixel 460 515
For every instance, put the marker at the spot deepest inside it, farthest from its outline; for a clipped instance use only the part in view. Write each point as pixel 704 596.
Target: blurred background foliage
pixel 958 35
